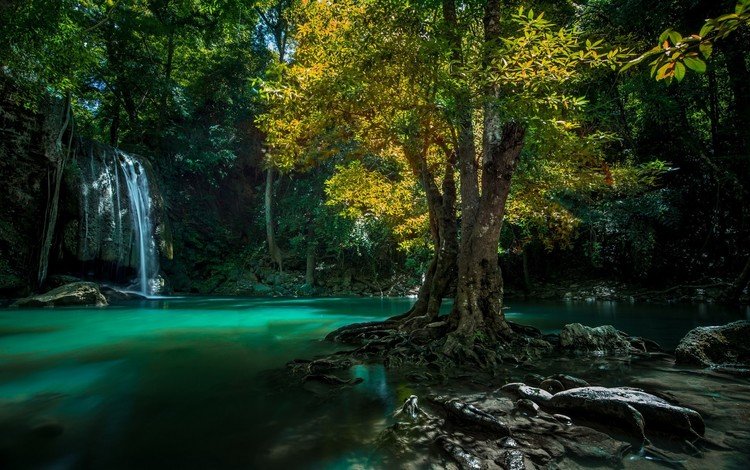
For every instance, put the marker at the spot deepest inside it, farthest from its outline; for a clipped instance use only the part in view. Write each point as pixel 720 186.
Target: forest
pixel 374 233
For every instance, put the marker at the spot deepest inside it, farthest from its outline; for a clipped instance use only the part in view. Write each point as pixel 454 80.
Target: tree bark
pixel 441 273
pixel 58 157
pixel 273 248
pixel 477 310
pixel 478 304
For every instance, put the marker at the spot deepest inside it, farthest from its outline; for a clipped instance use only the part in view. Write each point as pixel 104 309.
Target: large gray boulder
pixel 634 410
pixel 601 339
pixel 77 293
pixel 714 346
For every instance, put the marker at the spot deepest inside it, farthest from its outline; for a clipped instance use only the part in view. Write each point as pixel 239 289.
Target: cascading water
pixel 140 211
pixel 116 217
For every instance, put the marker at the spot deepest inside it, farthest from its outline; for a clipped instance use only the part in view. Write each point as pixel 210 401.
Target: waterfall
pixel 140 212
pixel 117 228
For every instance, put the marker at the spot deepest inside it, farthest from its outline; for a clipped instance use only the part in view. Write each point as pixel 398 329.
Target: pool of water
pixel 190 382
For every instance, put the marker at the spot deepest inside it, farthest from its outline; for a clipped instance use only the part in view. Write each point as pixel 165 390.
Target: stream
pixel 198 382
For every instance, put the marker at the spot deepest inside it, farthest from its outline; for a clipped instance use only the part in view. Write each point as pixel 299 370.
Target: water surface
pixel 185 383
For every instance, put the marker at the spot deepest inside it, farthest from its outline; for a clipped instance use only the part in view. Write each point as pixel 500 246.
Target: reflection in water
pixel 186 383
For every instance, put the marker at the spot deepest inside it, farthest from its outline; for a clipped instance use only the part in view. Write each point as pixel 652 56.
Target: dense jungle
pixel 374 234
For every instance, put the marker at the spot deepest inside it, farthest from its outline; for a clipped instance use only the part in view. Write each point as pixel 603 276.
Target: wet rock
pixel 527 406
pixel 552 386
pixel 114 295
pixel 520 390
pixel 716 346
pixel 77 293
pixel 512 460
pixel 471 415
pixel 464 459
pixel 562 419
pixel 601 339
pixel 569 381
pixel 411 408
pixel 533 379
pixel 508 443
pixel 633 410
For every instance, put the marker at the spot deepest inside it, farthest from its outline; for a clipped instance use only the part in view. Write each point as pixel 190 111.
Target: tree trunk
pixel 273 248
pixel 441 273
pixel 58 157
pixel 479 293
pixel 477 310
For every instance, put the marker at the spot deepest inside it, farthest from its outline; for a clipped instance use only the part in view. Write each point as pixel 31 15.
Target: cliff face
pixel 24 164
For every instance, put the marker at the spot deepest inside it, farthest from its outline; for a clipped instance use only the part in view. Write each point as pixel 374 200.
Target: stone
pixel 552 386
pixel 471 415
pixel 716 346
pixel 568 381
pixel 464 459
pixel 562 419
pixel 520 390
pixel 634 410
pixel 527 406
pixel 512 460
pixel 601 339
pixel 77 293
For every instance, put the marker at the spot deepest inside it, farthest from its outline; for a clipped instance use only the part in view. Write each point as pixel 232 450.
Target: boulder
pixel 716 346
pixel 77 293
pixel 632 409
pixel 601 339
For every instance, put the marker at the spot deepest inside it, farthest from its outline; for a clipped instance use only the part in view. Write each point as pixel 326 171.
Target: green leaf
pixel 707 28
pixel 675 37
pixel 695 64
pixel 679 71
pixel 664 36
pixel 706 49
pixel 531 14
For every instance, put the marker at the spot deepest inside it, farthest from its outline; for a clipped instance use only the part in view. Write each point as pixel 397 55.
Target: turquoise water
pixel 194 382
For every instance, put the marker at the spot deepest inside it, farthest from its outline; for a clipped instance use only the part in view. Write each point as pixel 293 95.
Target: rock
pixel 634 410
pixel 411 408
pixel 471 415
pixel 114 295
pixel 552 386
pixel 715 346
pixel 569 381
pixel 512 460
pixel 77 293
pixel 527 406
pixel 520 390
pixel 508 443
pixel 464 459
pixel 533 379
pixel 601 339
pixel 562 419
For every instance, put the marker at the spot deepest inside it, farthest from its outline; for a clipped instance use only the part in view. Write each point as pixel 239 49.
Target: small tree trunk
pixel 58 157
pixel 273 248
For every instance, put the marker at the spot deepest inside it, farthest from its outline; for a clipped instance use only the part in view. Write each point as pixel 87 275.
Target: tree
pixel 445 91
